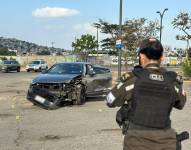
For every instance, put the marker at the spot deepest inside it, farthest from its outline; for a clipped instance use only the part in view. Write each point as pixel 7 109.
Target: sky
pixel 61 21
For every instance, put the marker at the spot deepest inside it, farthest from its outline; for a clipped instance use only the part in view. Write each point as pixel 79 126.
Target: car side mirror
pixel 92 73
pixel 44 71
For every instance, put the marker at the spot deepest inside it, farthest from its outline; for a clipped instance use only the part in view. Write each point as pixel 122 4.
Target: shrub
pixel 3 58
pixel 186 67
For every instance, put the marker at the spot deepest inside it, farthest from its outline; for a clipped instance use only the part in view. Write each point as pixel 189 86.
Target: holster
pixel 181 137
pixel 122 117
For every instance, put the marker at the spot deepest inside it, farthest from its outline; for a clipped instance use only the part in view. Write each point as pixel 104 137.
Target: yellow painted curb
pixel 187 81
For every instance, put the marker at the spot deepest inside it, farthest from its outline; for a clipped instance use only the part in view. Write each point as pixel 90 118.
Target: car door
pixel 1 64
pixel 43 65
pixel 99 81
pixel 12 66
pixel 16 65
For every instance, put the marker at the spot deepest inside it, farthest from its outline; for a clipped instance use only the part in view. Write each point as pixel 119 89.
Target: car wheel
pixel 28 70
pixel 40 69
pixel 81 96
pixel 18 70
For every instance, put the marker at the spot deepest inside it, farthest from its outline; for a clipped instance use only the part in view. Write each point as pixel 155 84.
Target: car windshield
pixel 35 62
pixel 66 69
pixel 7 62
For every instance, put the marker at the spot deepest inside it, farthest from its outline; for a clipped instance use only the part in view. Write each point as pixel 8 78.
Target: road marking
pixel 13 106
pixel 28 80
pixel 18 117
pixel 100 110
pixel 14 98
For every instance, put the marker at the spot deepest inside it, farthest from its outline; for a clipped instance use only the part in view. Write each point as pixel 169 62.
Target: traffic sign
pixel 118 44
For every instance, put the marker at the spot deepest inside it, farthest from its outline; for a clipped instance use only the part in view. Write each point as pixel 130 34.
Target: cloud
pixel 86 28
pixel 54 12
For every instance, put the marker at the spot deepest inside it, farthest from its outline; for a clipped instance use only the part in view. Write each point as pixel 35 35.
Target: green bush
pixel 3 58
pixel 11 58
pixel 6 52
pixel 186 67
pixel 44 52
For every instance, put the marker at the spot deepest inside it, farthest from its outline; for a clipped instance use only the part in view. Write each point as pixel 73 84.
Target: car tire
pixel 18 70
pixel 28 70
pixel 40 69
pixel 7 70
pixel 81 96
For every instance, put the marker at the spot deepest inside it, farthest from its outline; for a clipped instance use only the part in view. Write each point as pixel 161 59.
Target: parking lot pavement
pixel 88 127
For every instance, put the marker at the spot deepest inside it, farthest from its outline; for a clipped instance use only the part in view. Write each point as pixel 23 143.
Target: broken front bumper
pixel 43 97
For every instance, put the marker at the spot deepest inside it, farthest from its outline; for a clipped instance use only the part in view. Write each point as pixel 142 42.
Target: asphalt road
pixel 88 127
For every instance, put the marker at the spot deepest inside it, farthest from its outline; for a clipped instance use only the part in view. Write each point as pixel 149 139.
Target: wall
pixel 24 60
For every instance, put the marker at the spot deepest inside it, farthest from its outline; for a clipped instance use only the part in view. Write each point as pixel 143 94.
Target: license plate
pixel 39 99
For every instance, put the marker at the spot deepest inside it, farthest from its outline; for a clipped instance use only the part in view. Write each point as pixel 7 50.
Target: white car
pixel 36 65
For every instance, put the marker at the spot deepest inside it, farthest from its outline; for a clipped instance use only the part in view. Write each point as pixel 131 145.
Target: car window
pixel 98 70
pixel 14 62
pixel 35 62
pixel 89 68
pixel 7 62
pixel 66 69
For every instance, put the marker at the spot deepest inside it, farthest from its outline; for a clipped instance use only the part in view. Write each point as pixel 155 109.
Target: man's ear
pixel 162 58
pixel 142 57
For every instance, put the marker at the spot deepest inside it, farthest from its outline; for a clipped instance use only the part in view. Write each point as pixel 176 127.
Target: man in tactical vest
pixel 151 92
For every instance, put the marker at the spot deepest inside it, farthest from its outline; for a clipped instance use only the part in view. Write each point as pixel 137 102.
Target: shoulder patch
pixel 126 76
pixel 179 78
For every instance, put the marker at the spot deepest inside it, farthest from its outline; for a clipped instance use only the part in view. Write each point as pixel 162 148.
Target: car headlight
pixel 4 67
pixel 32 82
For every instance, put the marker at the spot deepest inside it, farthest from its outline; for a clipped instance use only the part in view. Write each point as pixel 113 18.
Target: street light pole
pixel 97 40
pixel 161 21
pixel 120 37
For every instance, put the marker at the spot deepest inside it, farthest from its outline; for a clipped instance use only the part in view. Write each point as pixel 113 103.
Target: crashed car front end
pixel 51 95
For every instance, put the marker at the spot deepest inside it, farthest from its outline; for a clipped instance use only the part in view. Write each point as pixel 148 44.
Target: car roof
pixel 82 63
pixel 9 60
pixel 38 60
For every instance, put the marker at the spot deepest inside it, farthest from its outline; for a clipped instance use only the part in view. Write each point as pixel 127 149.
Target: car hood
pixel 55 78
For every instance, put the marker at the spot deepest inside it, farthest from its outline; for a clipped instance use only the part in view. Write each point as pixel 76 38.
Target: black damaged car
pixel 69 82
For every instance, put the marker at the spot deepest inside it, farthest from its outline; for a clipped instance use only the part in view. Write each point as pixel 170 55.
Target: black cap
pixel 152 48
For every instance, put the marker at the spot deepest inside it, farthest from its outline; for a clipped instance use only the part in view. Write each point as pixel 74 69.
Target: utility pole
pixel 97 26
pixel 161 21
pixel 97 39
pixel 52 43
pixel 120 37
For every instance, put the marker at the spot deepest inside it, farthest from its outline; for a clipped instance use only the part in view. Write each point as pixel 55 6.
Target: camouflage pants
pixel 150 140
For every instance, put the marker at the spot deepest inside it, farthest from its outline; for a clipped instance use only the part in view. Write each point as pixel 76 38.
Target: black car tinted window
pixel 7 62
pixel 66 69
pixel 14 62
pixel 101 70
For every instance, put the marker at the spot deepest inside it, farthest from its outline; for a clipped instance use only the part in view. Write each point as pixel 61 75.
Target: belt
pixel 140 127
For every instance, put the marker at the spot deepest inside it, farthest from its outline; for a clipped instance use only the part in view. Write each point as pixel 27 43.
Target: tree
pixel 6 52
pixel 43 52
pixel 134 31
pixel 183 23
pixel 84 45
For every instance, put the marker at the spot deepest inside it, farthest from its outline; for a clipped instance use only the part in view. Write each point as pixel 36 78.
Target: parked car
pixel 37 65
pixel 69 82
pixel 10 65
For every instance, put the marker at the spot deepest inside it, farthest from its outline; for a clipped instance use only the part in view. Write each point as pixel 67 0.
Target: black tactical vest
pixel 153 98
